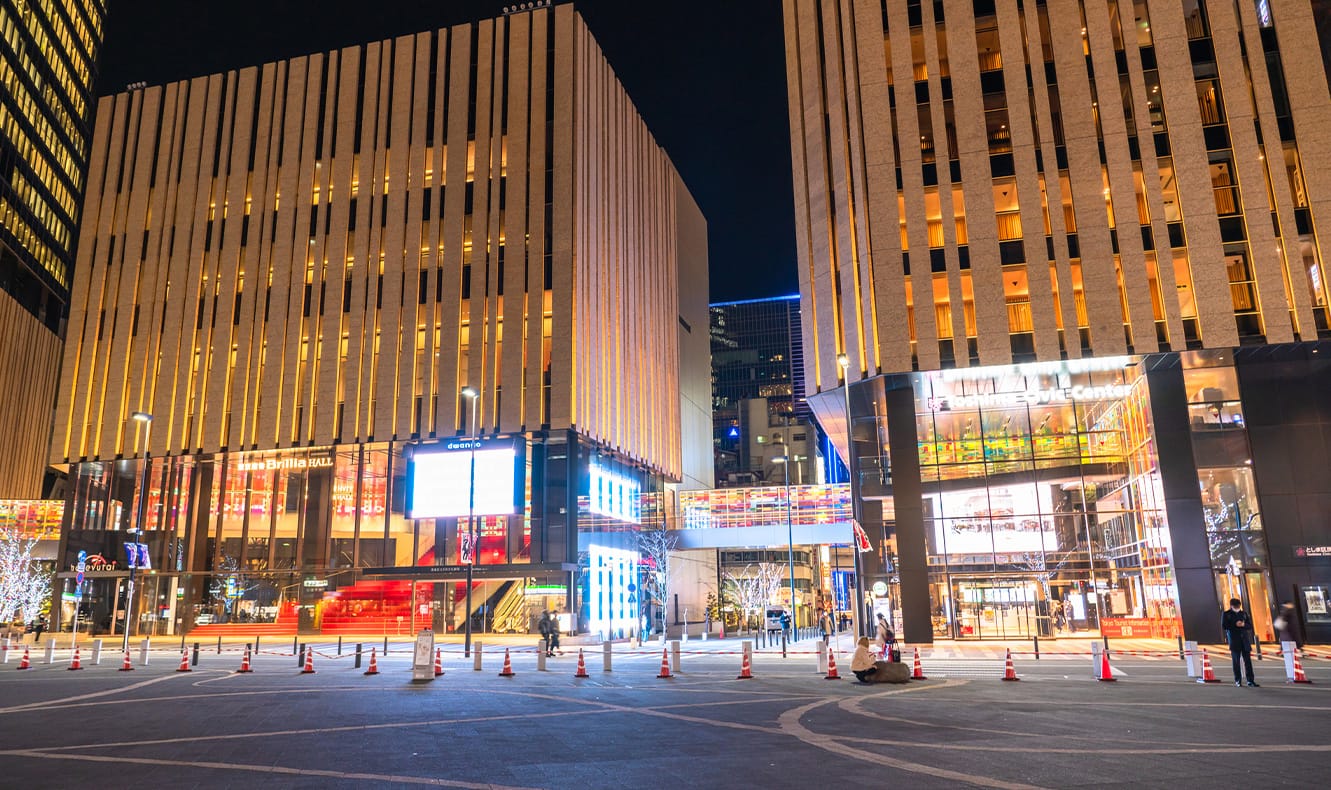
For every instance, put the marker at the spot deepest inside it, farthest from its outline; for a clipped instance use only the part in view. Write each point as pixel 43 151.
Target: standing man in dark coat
pixel 1239 634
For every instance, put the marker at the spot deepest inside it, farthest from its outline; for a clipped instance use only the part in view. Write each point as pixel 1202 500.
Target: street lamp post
pixel 856 621
pixel 784 460
pixel 472 395
pixel 146 421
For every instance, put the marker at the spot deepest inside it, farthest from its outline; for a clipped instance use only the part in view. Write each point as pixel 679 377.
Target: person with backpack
pixel 545 627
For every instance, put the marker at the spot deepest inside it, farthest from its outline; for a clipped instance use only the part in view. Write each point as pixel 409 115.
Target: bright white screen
pixel 441 481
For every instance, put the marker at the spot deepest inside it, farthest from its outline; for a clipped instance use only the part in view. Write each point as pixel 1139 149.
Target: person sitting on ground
pixel 862 663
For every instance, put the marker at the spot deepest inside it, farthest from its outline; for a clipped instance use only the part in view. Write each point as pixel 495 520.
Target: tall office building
pixel 1070 253
pixel 324 277
pixel 48 54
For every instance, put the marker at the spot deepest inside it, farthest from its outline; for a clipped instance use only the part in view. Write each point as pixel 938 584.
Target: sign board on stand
pixel 422 658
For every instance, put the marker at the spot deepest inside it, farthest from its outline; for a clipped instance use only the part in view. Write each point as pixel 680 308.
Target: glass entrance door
pixel 994 608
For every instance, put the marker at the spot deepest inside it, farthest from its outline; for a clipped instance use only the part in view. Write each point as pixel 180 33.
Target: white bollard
pixel 96 652
pixel 674 656
pixel 1191 656
pixel 143 652
pixel 605 656
pixel 1096 647
pixel 49 657
pixel 476 656
pixel 540 655
pixel 1287 652
pixel 822 658
pixel 4 651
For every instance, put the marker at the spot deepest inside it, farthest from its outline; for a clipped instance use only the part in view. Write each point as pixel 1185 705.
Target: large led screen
pixel 440 482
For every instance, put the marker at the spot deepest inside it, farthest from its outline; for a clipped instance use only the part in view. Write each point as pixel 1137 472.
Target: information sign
pixel 422 659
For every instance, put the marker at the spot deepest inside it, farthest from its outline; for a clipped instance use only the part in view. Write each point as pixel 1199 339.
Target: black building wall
pixel 1286 394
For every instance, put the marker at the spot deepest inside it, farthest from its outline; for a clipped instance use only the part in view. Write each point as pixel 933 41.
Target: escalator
pixel 503 610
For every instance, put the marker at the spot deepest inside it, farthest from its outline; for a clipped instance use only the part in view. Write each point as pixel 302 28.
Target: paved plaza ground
pixel 787 727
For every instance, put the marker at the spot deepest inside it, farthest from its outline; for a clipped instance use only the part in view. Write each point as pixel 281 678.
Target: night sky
pixel 708 77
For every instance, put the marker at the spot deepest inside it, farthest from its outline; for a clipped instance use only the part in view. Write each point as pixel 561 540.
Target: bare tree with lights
pixel 656 545
pixel 755 586
pixel 25 586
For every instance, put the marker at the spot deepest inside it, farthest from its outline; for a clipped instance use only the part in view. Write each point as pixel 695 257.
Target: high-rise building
pixel 376 315
pixel 48 54
pixel 758 391
pixel 1066 254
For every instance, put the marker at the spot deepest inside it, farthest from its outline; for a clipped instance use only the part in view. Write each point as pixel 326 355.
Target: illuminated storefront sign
pixel 614 495
pixel 612 601
pixel 1030 397
pixel 295 463
pixel 468 477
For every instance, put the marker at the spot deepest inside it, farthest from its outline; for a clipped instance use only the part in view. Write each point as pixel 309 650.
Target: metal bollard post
pixel 256 643
pixel 358 652
pixel 300 654
pixel 674 656
pixel 1180 648
pixel 1095 659
pixel 822 657
pixel 540 655
pixel 606 647
pixel 385 645
pixel 783 644
pixel 96 652
pixel 476 656
pixel 219 645
pixel 49 658
pixel 1036 639
pixel 143 652
pixel 295 646
pixel 1106 640
pixel 195 661
pixel 339 645
pixel 1258 642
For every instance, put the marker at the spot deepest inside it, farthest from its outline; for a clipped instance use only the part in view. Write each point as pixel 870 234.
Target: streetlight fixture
pixel 143 420
pixel 856 621
pixel 469 392
pixel 790 536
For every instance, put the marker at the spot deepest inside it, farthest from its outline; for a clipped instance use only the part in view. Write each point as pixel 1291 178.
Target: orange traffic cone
pixel 1208 674
pixel 507 671
pixel 184 661
pixel 26 662
pixel 665 665
pixel 374 663
pixel 1009 671
pixel 438 663
pixel 832 674
pixel 917 671
pixel 745 669
pixel 75 663
pixel 245 661
pixel 309 662
pixel 582 666
pixel 1106 672
pixel 127 666
pixel 1299 677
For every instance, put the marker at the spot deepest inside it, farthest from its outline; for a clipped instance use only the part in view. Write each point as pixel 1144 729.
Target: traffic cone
pixel 665 665
pixel 917 671
pixel 374 662
pixel 75 663
pixel 507 671
pixel 1208 674
pixel 184 661
pixel 127 666
pixel 26 662
pixel 1299 677
pixel 1106 672
pixel 438 663
pixel 745 669
pixel 309 662
pixel 1009 671
pixel 245 661
pixel 582 666
pixel 832 674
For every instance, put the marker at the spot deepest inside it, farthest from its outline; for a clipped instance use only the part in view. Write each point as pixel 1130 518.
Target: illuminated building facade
pixel 1059 421
pixel 311 271
pixel 48 53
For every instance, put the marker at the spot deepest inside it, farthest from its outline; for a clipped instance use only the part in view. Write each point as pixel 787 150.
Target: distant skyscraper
pixel 48 54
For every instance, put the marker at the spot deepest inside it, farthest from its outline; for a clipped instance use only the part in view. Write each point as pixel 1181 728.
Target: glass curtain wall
pixel 1043 506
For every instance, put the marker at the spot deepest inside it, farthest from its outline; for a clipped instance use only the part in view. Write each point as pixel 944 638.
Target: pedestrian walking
pixel 825 623
pixel 1239 634
pixel 785 624
pixel 38 629
pixel 544 626
pixel 1286 623
pixel 554 635
pixel 862 664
